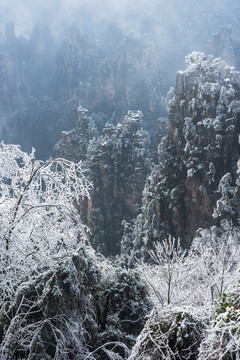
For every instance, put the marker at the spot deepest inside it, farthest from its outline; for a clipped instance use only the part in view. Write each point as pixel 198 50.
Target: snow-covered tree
pixel 197 298
pixel 216 257
pixel 59 300
pixel 38 208
pixel 167 272
pixel 226 206
pixel 198 276
pixel 223 333
pixel 170 333
pixel 39 222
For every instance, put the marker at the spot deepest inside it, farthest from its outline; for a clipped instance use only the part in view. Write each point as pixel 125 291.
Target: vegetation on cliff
pixel 125 245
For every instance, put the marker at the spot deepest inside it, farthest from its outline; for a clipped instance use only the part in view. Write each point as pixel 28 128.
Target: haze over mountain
pixel 177 28
pixel 134 109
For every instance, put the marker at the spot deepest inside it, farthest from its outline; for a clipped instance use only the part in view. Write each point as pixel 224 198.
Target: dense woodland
pixel 119 186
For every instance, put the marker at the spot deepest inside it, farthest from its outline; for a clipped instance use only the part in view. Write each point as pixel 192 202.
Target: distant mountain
pixel 35 72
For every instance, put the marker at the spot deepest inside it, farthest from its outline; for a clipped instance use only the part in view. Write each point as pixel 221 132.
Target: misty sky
pixel 129 14
pixel 176 27
pixel 24 13
pixel 161 18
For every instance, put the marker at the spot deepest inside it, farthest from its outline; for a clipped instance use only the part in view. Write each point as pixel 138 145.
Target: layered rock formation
pixel 225 45
pixel 198 159
pixel 40 61
pixel 118 164
pixel 31 116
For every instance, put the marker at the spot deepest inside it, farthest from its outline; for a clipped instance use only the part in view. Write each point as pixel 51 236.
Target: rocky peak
pixel 118 163
pixel 83 120
pixel 138 73
pixel 130 49
pixel 201 148
pixel 74 143
pixel 109 130
pixel 133 121
pixel 81 71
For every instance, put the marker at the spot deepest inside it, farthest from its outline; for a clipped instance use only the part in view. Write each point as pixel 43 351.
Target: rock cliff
pixel 25 66
pixel 40 61
pixel 74 143
pixel 118 164
pixel 194 185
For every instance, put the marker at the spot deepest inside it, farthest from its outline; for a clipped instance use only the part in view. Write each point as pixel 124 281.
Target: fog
pixel 172 29
pixel 176 27
pixel 92 15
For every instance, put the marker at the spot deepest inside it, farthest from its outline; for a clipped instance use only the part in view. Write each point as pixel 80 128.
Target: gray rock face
pixel 118 164
pixel 74 143
pixel 201 147
pixel 26 66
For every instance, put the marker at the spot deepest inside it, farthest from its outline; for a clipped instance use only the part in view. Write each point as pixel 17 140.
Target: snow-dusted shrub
pixel 226 206
pixel 168 258
pixel 122 300
pixel 223 334
pixel 170 334
pixel 39 220
pixel 48 315
pixel 82 307
pixel 216 257
pixel 195 277
pixel 173 275
pixel 194 280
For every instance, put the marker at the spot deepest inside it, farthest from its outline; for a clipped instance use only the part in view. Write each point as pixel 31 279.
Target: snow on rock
pixel 201 147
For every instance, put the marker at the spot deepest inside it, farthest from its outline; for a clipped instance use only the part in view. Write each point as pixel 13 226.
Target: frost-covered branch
pixel 39 219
